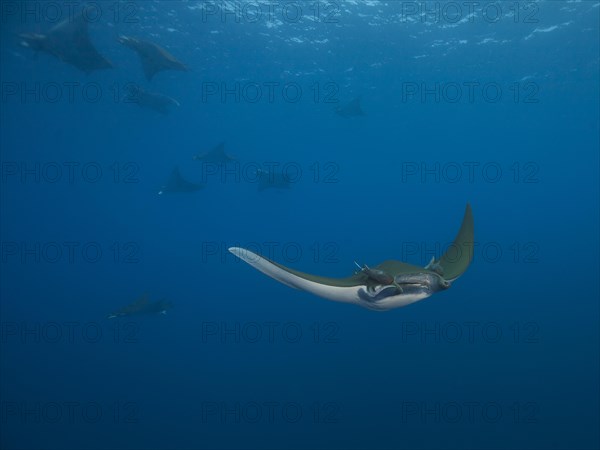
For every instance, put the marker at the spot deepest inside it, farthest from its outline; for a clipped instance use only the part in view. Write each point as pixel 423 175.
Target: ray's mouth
pixel 375 293
pixel 380 292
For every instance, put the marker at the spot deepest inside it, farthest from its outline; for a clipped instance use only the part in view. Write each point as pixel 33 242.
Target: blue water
pixel 495 104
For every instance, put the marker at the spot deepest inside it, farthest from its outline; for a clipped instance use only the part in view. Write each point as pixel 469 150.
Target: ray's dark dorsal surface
pixel 351 109
pixel 150 100
pixel 388 285
pixel 154 58
pixel 217 155
pixel 69 41
pixel 142 306
pixel 178 184
pixel 272 180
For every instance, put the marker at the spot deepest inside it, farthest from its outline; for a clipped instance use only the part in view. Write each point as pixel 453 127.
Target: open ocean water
pixel 140 140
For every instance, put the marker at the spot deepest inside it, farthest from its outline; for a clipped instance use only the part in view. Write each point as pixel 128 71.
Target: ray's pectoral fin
pixel 336 289
pixel 459 255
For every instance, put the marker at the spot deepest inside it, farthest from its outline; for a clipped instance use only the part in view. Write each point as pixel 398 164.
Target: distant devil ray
pixel 69 41
pixel 177 184
pixel 154 58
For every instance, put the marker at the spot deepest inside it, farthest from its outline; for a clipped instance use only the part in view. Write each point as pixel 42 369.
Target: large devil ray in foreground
pixel 388 285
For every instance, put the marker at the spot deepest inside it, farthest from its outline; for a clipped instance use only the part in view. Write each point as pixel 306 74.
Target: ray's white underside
pixel 345 294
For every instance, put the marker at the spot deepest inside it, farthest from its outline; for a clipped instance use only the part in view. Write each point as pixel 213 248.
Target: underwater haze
pixel 141 140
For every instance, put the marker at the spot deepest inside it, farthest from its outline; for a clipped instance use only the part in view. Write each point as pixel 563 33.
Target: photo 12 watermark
pixel 76 92
pixel 269 332
pixel 486 252
pixel 469 332
pixel 469 92
pixel 268 13
pixel 264 174
pixel 22 252
pixel 269 92
pixel 320 252
pixel 469 412
pixel 69 332
pixel 54 12
pixel 470 172
pixel 270 412
pixel 452 13
pixel 68 412
pixel 68 172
